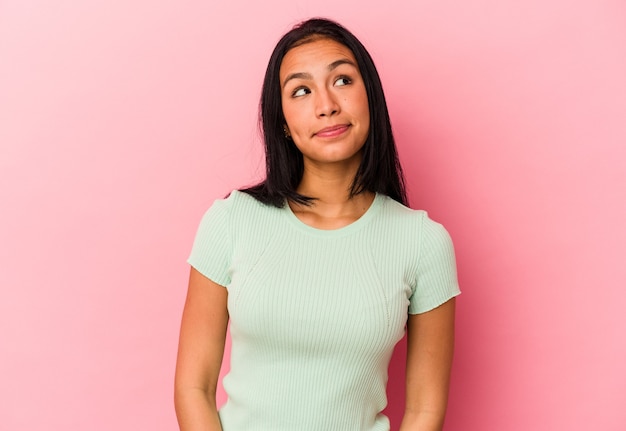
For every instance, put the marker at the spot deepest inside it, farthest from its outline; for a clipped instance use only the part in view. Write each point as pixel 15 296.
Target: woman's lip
pixel 332 131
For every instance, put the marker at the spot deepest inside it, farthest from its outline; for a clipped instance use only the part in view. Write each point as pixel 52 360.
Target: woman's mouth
pixel 332 131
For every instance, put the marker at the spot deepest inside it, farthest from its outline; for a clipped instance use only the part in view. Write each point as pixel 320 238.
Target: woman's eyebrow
pixel 297 75
pixel 336 64
pixel 304 75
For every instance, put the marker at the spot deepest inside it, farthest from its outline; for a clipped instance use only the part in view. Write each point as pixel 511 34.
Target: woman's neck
pixel 328 182
pixel 333 212
pixel 332 207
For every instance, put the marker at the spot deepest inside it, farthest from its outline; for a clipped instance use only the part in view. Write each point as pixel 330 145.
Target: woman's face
pixel 324 102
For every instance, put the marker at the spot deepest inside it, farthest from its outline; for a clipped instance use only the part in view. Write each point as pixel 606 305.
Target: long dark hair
pixel 380 169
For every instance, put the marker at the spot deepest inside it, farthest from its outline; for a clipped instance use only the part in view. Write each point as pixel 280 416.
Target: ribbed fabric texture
pixel 315 314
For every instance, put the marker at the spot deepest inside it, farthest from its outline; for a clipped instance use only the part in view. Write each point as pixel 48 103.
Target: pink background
pixel 121 121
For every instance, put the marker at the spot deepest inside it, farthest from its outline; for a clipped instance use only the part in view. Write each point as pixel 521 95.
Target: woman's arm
pixel 200 351
pixel 430 346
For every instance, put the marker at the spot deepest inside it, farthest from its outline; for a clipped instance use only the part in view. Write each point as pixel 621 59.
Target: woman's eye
pixel 300 92
pixel 344 80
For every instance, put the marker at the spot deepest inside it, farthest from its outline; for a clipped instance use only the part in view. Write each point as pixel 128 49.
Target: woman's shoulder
pixel 243 209
pixel 237 199
pixel 235 207
pixel 403 214
pixel 408 220
pixel 238 215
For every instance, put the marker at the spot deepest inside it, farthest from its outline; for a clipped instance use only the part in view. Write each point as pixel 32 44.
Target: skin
pixel 322 88
pixel 200 352
pixel 325 106
pixel 430 347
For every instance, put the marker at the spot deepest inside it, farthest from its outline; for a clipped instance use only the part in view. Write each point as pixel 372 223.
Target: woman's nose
pixel 326 104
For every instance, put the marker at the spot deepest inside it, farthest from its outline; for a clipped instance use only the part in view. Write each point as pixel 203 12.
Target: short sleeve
pixel 212 249
pixel 436 278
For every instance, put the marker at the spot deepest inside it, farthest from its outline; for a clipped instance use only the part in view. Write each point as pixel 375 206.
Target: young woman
pixel 321 267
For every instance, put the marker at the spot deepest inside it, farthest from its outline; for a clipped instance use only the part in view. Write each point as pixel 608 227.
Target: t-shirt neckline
pixel 344 230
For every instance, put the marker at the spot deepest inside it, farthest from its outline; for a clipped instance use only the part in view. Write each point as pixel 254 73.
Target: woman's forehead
pixel 318 53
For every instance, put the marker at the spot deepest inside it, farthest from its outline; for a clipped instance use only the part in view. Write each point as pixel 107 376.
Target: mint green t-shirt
pixel 315 314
